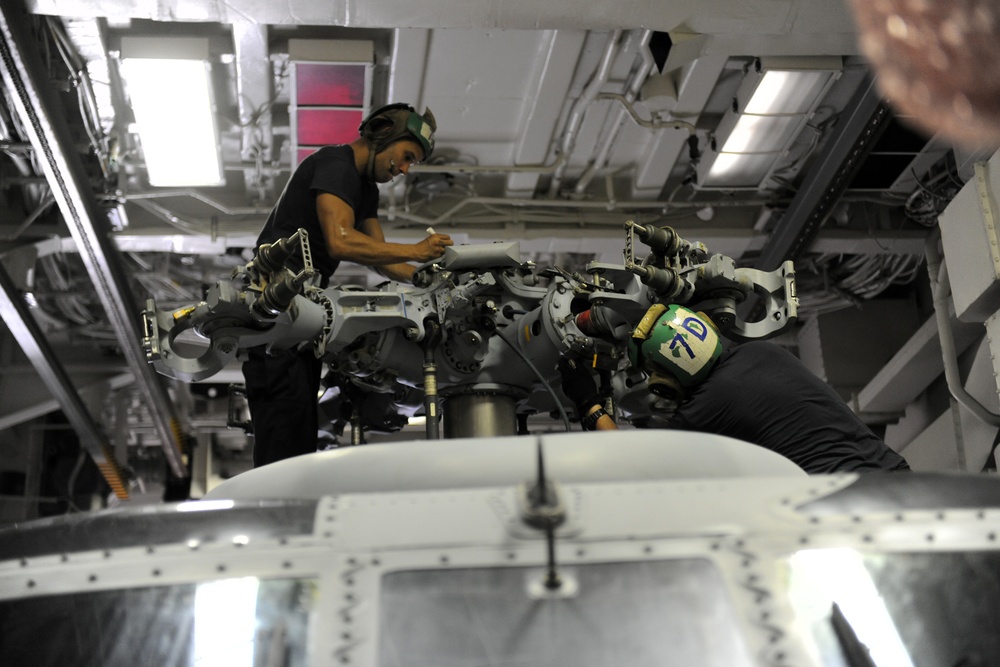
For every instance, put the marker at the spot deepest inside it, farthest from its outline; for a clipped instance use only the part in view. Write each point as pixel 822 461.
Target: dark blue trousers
pixel 282 392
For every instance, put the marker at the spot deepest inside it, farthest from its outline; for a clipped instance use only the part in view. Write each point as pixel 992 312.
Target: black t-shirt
pixel 330 169
pixel 761 393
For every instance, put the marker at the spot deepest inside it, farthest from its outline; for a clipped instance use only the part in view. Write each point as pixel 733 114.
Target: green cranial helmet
pixel 395 122
pixel 675 346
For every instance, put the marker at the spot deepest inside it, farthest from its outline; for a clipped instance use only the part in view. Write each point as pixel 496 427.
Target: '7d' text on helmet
pixel 675 346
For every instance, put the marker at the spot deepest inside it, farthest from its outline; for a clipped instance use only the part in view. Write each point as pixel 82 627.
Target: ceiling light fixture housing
pixel 169 82
pixel 776 99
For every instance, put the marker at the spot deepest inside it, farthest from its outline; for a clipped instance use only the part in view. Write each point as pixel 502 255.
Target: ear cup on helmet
pixel 379 128
pixel 394 122
pixel 665 386
pixel 379 122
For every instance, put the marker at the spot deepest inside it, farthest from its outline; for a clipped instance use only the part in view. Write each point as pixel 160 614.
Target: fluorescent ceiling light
pixel 741 169
pixel 172 103
pixel 758 134
pixel 773 103
pixel 791 92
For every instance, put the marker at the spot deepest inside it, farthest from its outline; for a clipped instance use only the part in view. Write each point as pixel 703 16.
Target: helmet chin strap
pixel 370 171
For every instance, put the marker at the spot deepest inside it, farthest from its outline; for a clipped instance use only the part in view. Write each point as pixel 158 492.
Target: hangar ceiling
pixel 557 122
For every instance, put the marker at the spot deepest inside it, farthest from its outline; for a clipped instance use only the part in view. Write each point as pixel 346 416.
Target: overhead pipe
pixel 580 107
pixel 650 124
pixel 631 91
pixel 574 121
pixel 395 210
pixel 209 227
pixel 193 194
pixel 937 271
pixel 558 167
pixel 402 212
pixel 538 168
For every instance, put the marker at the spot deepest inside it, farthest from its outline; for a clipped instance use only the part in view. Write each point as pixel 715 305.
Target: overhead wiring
pixel 818 128
pixel 80 79
pixel 933 194
pixel 833 282
pixel 57 291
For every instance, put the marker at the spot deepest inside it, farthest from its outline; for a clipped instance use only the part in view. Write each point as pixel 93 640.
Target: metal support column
pixel 22 325
pixel 49 133
pixel 828 179
pixel 254 76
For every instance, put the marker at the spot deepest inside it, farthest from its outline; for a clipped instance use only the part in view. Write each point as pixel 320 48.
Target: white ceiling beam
pixel 546 90
pixel 915 366
pixel 20 407
pixel 253 83
pixel 732 17
pixel 408 67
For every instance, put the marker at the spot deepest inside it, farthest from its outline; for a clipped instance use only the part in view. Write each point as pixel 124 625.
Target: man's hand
pixel 432 247
pixel 579 385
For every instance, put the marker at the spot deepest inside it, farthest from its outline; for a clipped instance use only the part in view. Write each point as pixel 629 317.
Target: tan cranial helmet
pixel 394 122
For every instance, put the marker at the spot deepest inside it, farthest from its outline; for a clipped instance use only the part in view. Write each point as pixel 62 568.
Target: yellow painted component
pixel 642 329
pixel 179 437
pixel 113 475
pixel 183 312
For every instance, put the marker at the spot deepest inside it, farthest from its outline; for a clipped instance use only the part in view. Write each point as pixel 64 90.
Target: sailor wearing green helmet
pixel 757 392
pixel 333 194
pixel 676 347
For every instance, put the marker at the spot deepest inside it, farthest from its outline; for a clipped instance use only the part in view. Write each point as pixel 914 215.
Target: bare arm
pixel 400 271
pixel 369 247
